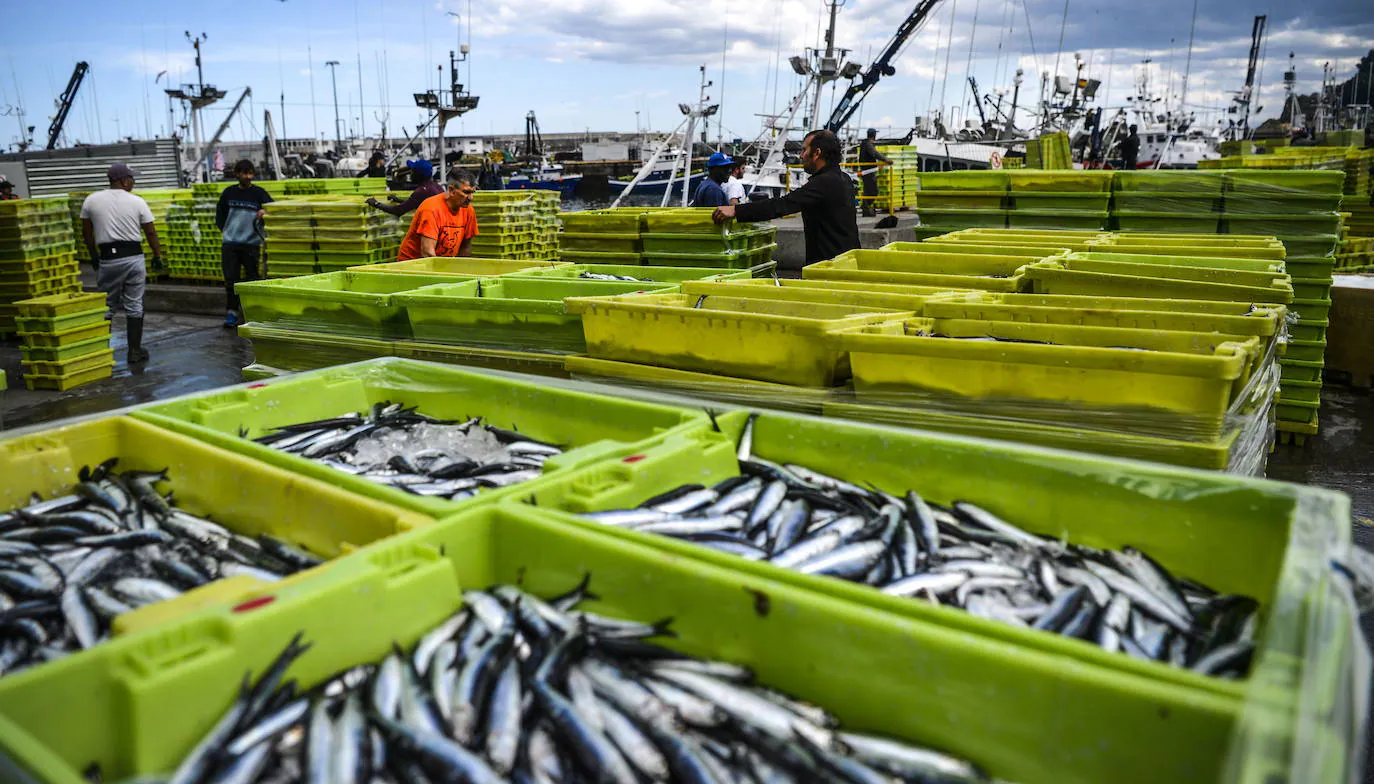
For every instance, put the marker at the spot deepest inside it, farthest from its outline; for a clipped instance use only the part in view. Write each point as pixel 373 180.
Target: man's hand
pixel 261 213
pixel 158 265
pixel 371 202
pixel 723 214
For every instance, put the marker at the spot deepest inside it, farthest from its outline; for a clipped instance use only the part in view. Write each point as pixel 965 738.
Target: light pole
pixel 338 131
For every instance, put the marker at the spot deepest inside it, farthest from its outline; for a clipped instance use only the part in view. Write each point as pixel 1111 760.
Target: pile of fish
pixel 398 446
pixel 69 565
pixel 515 688
pixel 608 276
pixel 961 556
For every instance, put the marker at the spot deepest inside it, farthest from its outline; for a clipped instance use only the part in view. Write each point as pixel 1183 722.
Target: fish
pixel 418 454
pixel 963 556
pixel 113 544
pixel 597 715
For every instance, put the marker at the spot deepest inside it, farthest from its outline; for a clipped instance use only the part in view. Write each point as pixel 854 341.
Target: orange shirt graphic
pixel 447 228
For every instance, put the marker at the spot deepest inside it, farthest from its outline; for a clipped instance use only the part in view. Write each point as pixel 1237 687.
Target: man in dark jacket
pixel 870 158
pixel 826 202
pixel 1130 150
pixel 710 191
pixel 422 175
pixel 376 167
pixel 239 218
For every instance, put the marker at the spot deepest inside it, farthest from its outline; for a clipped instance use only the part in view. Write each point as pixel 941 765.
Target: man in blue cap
pixel 422 174
pixel 710 192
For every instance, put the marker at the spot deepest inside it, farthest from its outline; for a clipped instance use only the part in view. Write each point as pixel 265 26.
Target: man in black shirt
pixel 826 202
pixel 422 177
pixel 1130 150
pixel 376 167
pixel 239 218
pixel 870 158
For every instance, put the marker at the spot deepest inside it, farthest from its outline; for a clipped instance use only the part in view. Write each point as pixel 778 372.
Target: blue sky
pixel 592 63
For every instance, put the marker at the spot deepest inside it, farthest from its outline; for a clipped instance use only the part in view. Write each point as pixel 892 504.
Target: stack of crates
pixel 513 224
pixel 303 187
pixel 1050 151
pixel 1167 201
pixel 601 237
pixel 66 340
pixel 37 253
pixel 1059 199
pixel 546 205
pixel 898 183
pixel 74 201
pixel 160 202
pixel 193 242
pixel 310 235
pixel 1356 254
pixel 950 201
pixel 690 237
pixel 1299 208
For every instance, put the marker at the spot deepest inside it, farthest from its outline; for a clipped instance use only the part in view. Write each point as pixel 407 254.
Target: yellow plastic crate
pixel 912 298
pixel 79 364
pixel 1109 279
pixel 952 270
pixel 1129 369
pixel 59 305
pixel 766 340
pixel 466 266
pixel 66 337
pixel 71 379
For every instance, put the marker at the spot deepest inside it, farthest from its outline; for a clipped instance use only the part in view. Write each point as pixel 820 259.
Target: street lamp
pixel 338 130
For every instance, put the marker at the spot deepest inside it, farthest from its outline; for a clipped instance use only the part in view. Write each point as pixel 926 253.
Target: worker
pixel 734 187
pixel 870 160
pixel 444 225
pixel 709 192
pixel 7 191
pixel 1130 149
pixel 376 167
pixel 110 223
pixel 826 201
pixel 239 218
pixel 422 176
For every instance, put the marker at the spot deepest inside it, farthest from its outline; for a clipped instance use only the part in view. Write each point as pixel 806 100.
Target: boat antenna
pixel 968 64
pixel 1187 64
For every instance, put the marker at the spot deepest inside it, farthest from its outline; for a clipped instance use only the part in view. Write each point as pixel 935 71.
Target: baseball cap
pixel 119 171
pixel 718 159
pixel 422 166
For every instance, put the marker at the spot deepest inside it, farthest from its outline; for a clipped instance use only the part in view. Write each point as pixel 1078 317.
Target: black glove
pixel 371 202
pixel 158 266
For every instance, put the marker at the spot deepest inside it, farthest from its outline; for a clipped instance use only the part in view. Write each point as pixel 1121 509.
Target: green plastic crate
pixel 293 349
pixel 643 273
pixel 1068 201
pixel 684 220
pixel 950 218
pixel 83 318
pixel 397 591
pixel 509 312
pixel 733 259
pixel 1285 226
pixel 590 426
pixel 981 200
pixel 1128 220
pixel 989 272
pixel 1315 245
pixel 359 303
pixel 464 267
pixel 67 337
pixel 1306 350
pixel 1297 370
pixel 618 221
pixel 1190 521
pixel 1059 181
pixel 1202 183
pixel 1266 182
pixel 600 242
pixel 1299 411
pixel 1242 203
pixel 1238 318
pixel 592 257
pixel 1310 267
pixel 1012 248
pixel 1301 391
pixel 68 352
pixel 692 244
pixel 1112 279
pixel 245 495
pixel 1166 201
pixel 1304 288
pixel 1056 219
pixel 1259 269
pixel 102 357
pixel 965 181
pixel 61 382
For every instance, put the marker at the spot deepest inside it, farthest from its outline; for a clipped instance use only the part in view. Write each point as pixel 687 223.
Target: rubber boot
pixel 134 328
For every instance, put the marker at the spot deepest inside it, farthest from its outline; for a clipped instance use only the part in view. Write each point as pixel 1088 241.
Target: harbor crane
pixel 64 103
pixel 1242 99
pixel 882 66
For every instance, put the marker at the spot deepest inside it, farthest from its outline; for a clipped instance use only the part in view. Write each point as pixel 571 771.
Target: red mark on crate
pixel 256 386
pixel 253 604
pixel 633 459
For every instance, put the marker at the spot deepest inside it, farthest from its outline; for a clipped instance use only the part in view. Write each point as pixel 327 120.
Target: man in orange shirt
pixel 443 225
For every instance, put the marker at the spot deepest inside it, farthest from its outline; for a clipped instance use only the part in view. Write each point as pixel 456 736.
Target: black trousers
pixel 870 183
pixel 239 262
